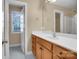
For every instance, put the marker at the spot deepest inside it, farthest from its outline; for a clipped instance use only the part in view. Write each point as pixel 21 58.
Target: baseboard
pixel 28 53
pixel 14 45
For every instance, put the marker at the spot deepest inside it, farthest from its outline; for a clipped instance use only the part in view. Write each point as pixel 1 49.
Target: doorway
pixel 58 21
pixel 15 31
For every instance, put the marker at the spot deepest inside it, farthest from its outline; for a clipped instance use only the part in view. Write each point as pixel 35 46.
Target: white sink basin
pixel 57 37
pixel 51 37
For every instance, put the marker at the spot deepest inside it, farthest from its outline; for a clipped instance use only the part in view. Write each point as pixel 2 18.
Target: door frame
pixel 6 24
pixel 61 19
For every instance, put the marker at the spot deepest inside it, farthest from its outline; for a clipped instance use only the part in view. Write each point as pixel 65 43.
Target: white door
pixel 5 41
pixel 2 29
pixel 3 44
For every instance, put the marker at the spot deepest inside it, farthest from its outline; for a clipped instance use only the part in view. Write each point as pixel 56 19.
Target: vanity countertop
pixel 68 41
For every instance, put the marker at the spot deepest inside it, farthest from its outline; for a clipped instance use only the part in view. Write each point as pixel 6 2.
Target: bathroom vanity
pixel 45 46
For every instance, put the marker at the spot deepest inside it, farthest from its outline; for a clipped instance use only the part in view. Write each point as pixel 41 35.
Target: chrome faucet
pixel 54 34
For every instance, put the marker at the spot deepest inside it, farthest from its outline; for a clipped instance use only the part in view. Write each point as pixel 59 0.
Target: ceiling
pixel 66 3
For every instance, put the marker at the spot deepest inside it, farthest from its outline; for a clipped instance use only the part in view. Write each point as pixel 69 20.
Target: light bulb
pixel 52 0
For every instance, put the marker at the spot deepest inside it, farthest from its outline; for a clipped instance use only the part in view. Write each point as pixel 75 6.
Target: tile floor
pixel 16 53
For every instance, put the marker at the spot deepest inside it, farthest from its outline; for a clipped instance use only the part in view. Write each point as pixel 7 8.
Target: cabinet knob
pixel 41 48
pixel 61 53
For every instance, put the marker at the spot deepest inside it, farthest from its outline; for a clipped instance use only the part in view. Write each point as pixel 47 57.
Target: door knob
pixel 3 42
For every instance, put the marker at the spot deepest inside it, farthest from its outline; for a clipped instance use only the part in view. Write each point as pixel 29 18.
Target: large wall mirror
pixel 65 24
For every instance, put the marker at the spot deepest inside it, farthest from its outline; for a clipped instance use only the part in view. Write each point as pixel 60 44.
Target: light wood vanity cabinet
pixel 46 50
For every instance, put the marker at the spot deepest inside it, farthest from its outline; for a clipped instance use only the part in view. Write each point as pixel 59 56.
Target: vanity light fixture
pixel 52 1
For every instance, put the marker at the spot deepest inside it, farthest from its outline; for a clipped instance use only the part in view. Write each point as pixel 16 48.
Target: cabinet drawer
pixel 60 52
pixel 44 43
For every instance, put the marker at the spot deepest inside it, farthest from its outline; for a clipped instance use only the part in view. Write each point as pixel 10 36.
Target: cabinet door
pixel 38 52
pixel 46 54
